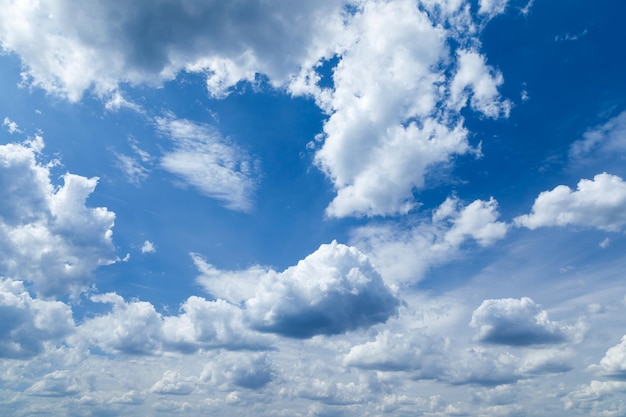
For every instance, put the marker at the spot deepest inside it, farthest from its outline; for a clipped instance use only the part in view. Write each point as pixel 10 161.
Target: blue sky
pixel 321 208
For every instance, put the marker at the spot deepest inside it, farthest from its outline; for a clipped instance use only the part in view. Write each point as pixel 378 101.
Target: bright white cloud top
pixel 313 208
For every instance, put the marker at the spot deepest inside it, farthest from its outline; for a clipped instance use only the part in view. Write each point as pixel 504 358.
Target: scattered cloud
pixel 598 203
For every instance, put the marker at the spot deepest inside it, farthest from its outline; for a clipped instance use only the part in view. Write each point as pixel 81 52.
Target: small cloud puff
pixel 148 247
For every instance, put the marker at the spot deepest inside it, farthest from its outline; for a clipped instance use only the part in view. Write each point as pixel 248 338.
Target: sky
pixel 313 208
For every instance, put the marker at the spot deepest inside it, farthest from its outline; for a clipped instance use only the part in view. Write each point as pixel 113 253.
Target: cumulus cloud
pixel 206 161
pixel 613 363
pixel 598 203
pixel 403 253
pixel 28 323
pixel 516 322
pixel 136 327
pixel 48 236
pixel 492 7
pixel 389 104
pixel 249 371
pixel 400 352
pixel 172 383
pixel 331 291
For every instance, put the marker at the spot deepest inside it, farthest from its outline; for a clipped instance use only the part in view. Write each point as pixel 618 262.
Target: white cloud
pixel 614 361
pixel 331 291
pixel 412 351
pixel 389 104
pixel 11 126
pixel 205 160
pixel 516 322
pixel 475 76
pixel 244 370
pixel 604 140
pixel 55 384
pixel 136 327
pixel 599 398
pixel 206 324
pixel 599 203
pixel 28 323
pixel 172 383
pixel 148 247
pixel 404 253
pixel 492 7
pixel 48 236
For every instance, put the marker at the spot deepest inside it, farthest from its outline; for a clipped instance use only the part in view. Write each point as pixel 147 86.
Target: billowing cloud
pixel 599 203
pixel 206 161
pixel 136 327
pixel 172 383
pixel 400 352
pixel 28 323
pixel 405 253
pixel 48 236
pixel 331 291
pixel 390 119
pixel 516 322
pixel 250 371
pixel 614 361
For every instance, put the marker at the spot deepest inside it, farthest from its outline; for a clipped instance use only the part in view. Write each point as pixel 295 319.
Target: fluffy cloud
pixel 250 371
pixel 404 253
pixel 136 327
pixel 331 291
pixel 614 361
pixel 399 352
pixel 205 160
pixel 516 322
pixel 28 323
pixel 47 234
pixel 389 103
pixel 599 203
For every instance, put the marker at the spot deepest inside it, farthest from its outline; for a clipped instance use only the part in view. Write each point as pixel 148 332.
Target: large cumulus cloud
pixel 48 236
pixel 331 291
